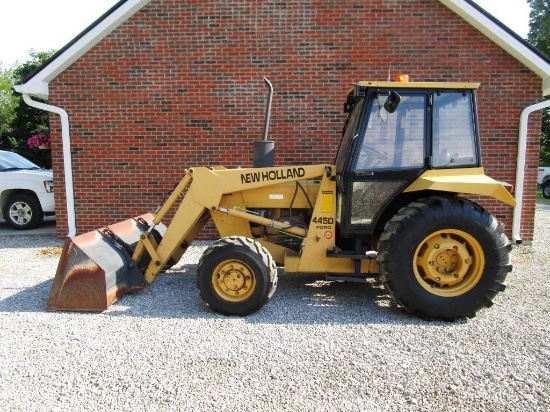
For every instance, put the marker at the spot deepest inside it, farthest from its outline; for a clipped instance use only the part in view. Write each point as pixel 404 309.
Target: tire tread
pixel 423 211
pixel 247 244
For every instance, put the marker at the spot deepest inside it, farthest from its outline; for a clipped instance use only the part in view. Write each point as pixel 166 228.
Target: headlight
pixel 48 185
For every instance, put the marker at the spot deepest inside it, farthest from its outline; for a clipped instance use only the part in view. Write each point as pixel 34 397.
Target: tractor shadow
pixel 29 299
pixel 299 299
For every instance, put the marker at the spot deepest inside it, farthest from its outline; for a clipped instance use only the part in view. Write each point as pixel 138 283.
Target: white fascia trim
pixel 501 37
pixel 38 85
pixel 39 89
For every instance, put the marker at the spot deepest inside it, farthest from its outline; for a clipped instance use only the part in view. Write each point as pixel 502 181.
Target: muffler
pixel 96 268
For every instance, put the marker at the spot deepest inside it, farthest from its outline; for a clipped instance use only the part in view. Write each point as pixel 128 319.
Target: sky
pixel 43 25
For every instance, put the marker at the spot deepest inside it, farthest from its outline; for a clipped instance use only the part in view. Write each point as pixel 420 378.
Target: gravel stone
pixel 316 345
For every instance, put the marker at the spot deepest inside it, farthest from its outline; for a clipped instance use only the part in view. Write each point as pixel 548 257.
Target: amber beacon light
pixel 402 78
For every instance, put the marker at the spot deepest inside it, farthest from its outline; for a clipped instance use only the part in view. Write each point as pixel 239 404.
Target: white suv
pixel 26 191
pixel 544 181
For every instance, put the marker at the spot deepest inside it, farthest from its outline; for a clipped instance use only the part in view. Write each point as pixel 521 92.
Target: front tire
pixel 443 258
pixel 546 190
pixel 23 211
pixel 236 276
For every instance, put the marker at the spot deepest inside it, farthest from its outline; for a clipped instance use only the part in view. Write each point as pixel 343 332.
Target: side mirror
pixel 392 102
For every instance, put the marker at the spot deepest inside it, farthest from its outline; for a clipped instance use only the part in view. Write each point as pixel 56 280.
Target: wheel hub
pixel 449 262
pixel 233 280
pixel 446 264
pixel 20 213
pixel 446 261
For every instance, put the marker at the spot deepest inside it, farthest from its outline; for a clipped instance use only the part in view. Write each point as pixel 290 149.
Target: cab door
pixel 387 152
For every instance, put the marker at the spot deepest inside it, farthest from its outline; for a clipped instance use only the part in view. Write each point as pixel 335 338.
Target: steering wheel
pixel 371 157
pixel 376 153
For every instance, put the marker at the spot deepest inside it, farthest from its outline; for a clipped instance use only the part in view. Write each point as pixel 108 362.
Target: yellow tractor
pixel 392 206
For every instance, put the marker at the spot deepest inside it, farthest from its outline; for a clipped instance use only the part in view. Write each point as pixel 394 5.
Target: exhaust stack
pixel 263 149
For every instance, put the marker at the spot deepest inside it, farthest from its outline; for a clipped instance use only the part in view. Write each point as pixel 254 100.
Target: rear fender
pixel 470 181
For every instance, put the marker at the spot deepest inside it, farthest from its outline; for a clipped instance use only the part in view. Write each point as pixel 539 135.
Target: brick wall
pixel 180 85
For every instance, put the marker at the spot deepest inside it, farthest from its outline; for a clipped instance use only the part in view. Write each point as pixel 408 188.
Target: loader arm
pixel 205 189
pixel 99 267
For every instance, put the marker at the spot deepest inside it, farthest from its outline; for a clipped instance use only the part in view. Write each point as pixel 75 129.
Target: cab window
pixel 454 134
pixel 394 140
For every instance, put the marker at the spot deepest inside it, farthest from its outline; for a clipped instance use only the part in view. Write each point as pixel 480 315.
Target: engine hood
pixel 31 173
pixel 30 179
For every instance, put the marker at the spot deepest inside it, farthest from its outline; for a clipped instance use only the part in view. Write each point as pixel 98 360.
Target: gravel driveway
pixel 316 346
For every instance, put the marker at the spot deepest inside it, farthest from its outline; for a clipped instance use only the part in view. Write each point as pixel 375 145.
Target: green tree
pixel 8 103
pixel 27 121
pixel 539 37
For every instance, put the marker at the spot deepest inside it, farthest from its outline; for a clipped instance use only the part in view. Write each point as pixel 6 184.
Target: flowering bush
pixel 40 139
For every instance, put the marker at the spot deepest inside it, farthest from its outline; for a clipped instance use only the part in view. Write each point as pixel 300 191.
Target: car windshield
pixel 12 161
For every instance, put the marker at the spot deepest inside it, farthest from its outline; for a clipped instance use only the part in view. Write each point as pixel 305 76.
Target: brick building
pixel 156 86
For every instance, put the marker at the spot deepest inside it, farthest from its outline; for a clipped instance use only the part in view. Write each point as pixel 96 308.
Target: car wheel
pixel 546 190
pixel 23 211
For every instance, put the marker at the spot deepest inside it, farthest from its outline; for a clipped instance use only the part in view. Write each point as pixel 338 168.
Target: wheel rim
pixel 546 191
pixel 20 213
pixel 233 280
pixel 449 263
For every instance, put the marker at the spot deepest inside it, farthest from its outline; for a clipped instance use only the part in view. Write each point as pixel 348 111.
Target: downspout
pixel 67 160
pixel 520 167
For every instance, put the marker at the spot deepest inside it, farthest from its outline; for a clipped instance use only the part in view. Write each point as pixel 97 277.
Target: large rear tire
pixel 443 258
pixel 236 276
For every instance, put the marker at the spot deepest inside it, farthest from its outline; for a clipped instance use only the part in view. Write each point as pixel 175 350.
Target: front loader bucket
pixel 96 268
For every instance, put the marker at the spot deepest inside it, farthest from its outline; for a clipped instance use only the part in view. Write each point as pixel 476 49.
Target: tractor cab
pixel 393 134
